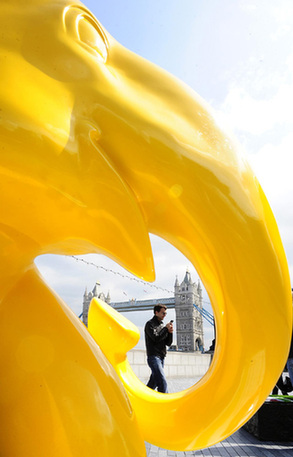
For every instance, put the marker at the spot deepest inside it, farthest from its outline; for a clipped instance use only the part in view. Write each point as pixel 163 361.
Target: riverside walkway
pixel 240 444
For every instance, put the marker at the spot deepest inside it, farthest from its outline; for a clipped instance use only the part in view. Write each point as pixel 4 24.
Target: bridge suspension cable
pixel 205 314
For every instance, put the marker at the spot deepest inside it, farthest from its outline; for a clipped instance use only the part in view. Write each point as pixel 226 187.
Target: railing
pixel 143 305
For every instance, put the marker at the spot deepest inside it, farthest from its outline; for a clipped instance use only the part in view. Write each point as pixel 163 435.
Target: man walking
pixel 157 337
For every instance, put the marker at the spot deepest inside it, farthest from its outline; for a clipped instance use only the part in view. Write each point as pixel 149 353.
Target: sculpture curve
pixel 72 186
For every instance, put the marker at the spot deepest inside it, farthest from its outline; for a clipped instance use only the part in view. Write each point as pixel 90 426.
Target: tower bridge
pixel 187 302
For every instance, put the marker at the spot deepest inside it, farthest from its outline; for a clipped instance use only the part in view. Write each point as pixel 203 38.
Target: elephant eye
pixel 92 36
pixel 82 26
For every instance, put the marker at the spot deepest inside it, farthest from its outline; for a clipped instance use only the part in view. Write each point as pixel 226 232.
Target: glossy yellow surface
pixel 98 148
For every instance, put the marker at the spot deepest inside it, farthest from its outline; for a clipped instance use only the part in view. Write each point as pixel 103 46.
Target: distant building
pixel 87 298
pixel 189 321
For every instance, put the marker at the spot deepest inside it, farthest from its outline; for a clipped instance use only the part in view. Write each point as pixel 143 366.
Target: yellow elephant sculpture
pixel 98 149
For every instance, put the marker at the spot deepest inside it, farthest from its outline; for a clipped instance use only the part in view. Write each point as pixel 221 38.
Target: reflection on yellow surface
pixel 99 148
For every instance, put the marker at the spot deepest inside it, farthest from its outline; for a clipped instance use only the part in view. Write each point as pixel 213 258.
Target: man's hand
pixel 170 327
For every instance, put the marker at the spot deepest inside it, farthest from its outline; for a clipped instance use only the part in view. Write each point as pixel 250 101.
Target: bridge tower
pixel 88 296
pixel 189 321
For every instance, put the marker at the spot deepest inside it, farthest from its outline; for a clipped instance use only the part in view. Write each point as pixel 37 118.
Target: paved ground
pixel 241 444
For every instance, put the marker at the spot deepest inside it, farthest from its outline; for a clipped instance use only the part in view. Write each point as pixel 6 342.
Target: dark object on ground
pixel 273 421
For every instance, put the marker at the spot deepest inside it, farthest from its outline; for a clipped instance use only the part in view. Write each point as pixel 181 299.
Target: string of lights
pixel 124 276
pixel 117 273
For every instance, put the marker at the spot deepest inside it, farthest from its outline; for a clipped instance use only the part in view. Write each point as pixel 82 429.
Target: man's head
pixel 160 311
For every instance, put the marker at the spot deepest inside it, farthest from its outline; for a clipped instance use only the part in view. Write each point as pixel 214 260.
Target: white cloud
pixel 273 166
pixel 245 113
pixel 258 109
pixel 280 12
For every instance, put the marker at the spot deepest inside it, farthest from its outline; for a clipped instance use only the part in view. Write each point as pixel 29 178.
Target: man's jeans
pixel 157 378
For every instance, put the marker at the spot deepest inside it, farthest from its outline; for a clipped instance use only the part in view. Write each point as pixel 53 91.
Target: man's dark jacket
pixel 157 337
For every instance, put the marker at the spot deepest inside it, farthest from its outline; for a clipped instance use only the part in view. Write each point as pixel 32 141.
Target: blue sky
pixel 238 55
